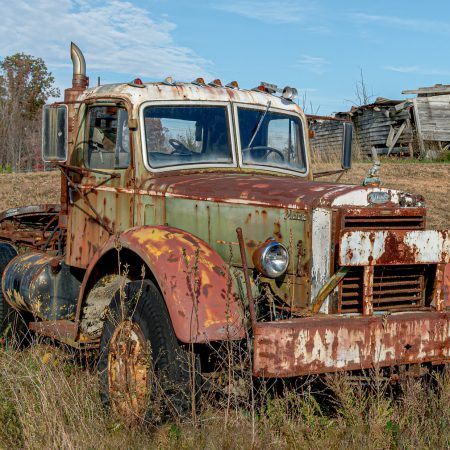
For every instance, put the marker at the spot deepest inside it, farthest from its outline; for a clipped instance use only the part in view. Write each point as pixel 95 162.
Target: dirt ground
pixel 430 180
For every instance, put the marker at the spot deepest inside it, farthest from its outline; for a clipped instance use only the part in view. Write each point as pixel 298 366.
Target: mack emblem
pixel 294 215
pixel 378 198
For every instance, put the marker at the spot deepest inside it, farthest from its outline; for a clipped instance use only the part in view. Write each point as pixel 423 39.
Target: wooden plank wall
pixel 373 126
pixel 327 136
pixel 433 117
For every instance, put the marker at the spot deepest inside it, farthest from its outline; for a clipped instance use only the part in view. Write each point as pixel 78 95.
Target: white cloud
pixel 270 11
pixel 314 64
pixel 402 22
pixel 403 69
pixel 419 70
pixel 115 36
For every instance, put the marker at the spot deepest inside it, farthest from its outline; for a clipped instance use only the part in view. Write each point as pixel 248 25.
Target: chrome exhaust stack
pixel 79 80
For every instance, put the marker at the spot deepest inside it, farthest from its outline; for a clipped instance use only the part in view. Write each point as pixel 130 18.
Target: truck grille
pixel 391 222
pixel 394 288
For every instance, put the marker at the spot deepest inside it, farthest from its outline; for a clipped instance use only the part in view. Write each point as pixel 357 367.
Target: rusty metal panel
pixel 57 329
pixel 315 345
pixel 102 206
pixel 367 299
pixel 446 286
pixel 438 295
pixel 187 92
pixel 387 217
pixel 29 225
pixel 196 283
pixel 363 248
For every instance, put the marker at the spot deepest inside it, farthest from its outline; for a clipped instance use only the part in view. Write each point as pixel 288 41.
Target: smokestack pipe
pixel 79 79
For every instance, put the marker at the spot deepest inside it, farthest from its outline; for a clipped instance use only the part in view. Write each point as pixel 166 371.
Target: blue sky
pixel 320 47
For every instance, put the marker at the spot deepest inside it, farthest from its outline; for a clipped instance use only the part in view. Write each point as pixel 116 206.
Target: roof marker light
pixel 233 85
pixel 137 82
pixel 199 81
pixel 266 87
pixel 169 81
pixel 215 83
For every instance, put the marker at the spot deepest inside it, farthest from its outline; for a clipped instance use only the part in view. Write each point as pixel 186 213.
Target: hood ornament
pixel 372 178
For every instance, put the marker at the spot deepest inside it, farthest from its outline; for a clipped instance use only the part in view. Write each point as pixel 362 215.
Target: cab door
pixel 101 187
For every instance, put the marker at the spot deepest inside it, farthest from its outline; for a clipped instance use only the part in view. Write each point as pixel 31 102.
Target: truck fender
pixel 194 280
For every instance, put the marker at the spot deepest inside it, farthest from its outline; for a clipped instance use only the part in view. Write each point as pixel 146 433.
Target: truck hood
pixel 266 190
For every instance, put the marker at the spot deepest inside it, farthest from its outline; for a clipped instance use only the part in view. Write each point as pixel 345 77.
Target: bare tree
pixel 361 91
pixel 25 86
pixel 307 105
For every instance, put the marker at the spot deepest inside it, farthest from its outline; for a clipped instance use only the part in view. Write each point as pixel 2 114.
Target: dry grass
pixel 432 180
pixel 49 398
pixel 20 189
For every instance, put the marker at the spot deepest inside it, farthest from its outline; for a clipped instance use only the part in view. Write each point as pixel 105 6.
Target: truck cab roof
pixel 180 91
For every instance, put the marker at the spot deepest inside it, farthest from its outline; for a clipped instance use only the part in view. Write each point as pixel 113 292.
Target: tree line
pixel 25 86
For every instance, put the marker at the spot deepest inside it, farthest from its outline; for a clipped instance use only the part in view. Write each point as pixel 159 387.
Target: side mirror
pixel 54 133
pixel 347 138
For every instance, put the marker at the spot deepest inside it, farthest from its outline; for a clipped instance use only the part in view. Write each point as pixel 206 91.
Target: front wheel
pixel 146 375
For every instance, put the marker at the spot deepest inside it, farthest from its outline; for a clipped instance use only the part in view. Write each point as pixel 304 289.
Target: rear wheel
pixel 13 326
pixel 146 375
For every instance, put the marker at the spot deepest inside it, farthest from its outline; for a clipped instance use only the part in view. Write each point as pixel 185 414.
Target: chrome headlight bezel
pixel 263 259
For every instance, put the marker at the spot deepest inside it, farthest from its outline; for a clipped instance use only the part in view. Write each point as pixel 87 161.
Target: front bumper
pixel 319 344
pixel 331 343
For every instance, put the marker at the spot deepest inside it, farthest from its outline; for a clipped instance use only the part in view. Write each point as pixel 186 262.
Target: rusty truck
pixel 190 215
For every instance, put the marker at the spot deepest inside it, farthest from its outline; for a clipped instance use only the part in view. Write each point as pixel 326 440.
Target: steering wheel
pixel 179 147
pixel 268 150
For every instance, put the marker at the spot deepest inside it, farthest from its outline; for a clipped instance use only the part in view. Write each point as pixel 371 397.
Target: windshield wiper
pixel 259 125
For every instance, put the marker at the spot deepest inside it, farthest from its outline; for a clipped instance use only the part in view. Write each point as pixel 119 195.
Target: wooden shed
pixel 432 115
pixel 417 126
pixel 386 125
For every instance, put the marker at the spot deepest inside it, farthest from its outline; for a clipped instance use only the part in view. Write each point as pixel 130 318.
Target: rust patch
pixel 446 286
pixel 128 373
pixel 316 345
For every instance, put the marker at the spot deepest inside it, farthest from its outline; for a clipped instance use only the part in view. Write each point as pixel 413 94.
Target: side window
pixel 108 145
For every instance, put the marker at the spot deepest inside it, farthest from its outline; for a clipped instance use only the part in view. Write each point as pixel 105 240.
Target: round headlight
pixel 271 259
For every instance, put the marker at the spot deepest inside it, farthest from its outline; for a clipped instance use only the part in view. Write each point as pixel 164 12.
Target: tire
pixel 145 375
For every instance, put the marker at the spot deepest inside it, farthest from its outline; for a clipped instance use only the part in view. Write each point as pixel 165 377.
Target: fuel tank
pixel 40 284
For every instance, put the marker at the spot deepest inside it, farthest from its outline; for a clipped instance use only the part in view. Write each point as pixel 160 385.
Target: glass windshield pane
pixel 271 139
pixel 186 135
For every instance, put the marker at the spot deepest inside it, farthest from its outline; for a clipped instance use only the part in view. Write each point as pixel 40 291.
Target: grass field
pixel 49 396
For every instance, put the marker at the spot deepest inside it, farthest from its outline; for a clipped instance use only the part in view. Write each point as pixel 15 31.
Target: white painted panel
pixel 358 197
pixel 361 248
pixel 321 246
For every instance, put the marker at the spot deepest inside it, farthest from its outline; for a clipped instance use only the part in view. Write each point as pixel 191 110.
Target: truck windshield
pixel 187 135
pixel 277 143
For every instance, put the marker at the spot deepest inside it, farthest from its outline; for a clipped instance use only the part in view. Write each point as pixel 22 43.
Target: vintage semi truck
pixel 190 216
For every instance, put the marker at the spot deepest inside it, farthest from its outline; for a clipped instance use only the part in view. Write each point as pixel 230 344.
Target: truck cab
pixel 190 215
